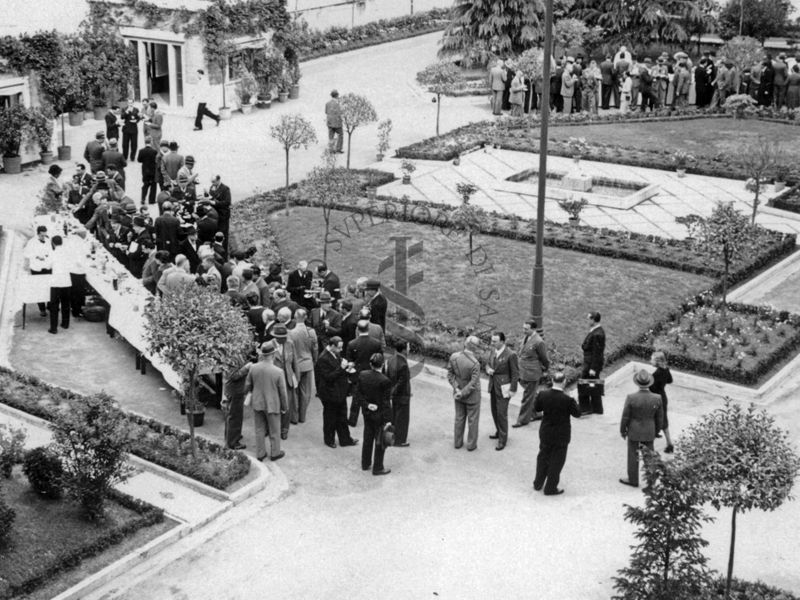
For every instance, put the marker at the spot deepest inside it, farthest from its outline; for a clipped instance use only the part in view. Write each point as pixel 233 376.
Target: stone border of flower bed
pixel 782 203
pixel 238 465
pixel 148 515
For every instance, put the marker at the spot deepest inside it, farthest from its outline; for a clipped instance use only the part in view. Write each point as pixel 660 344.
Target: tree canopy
pixel 757 18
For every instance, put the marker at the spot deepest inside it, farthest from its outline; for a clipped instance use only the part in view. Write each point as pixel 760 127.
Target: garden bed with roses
pixel 153 441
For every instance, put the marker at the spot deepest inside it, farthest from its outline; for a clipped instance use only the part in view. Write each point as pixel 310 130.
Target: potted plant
pixel 782 171
pixel 573 208
pixel 384 131
pixel 264 100
pixel 14 127
pixel 41 128
pixel 246 89
pixel 284 85
pixel 407 167
pixel 578 147
pixel 682 159
pixel 294 88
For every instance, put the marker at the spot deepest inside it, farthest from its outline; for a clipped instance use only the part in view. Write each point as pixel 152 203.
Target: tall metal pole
pixel 538 269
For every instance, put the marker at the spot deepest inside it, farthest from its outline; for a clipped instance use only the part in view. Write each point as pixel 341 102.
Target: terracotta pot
pixel 406 179
pixel 99 112
pixel 76 118
pixel 224 113
pixel 294 92
pixel 198 417
pixel 64 152
pixel 12 164
pixel 681 172
pixel 283 96
pixel 246 109
pixel 47 157
pixel 372 191
pixel 380 157
pixel 779 185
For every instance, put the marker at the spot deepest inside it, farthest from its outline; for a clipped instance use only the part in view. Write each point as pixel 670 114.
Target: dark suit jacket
pixel 206 229
pixel 360 349
pixel 112 126
pixel 378 306
pixel 331 285
pixel 557 408
pixel 375 388
pixel 166 228
pixel 331 378
pixel 147 157
pixel 130 120
pixel 349 324
pixel 607 72
pixel 114 157
pixel 325 333
pixel 186 249
pixel 398 373
pixel 594 347
pixel 222 201
pixel 94 155
pixel 641 417
pixel 298 284
pixel 121 237
pixel 506 370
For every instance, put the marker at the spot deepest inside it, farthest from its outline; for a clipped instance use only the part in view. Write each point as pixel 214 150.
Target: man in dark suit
pixel 166 228
pixel 359 352
pixel 398 373
pixel 299 282
pixel 130 130
pixel 349 323
pixel 147 158
pixel 94 152
pixel 594 347
pixel 114 157
pixel 189 247
pixel 206 224
pixel 221 201
pixel 503 370
pixel 141 243
pixel 325 321
pixel 608 84
pixel 117 240
pixel 330 281
pixel 554 435
pixel 112 123
pixel 641 420
pixel 376 302
pixel 171 163
pixel 375 389
pixel 332 387
pixel 464 376
pixel 533 362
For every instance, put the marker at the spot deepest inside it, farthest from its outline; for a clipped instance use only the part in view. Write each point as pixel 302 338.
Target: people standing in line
pixel 333 383
pixel 304 339
pixel 503 370
pixel 233 405
pixel 60 286
pixel 661 378
pixel 464 376
pixel 333 117
pixel 593 347
pixel 399 374
pixel 269 401
pixel 202 93
pixel 554 435
pixel 375 390
pixel 641 420
pixel 38 254
pixel 130 130
pixel 533 363
pixel 497 83
pixel 147 158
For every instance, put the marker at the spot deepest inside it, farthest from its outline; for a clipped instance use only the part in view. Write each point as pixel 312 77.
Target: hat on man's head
pixel 373 284
pixel 112 142
pixel 325 298
pixel 322 268
pixel 189 159
pixel 647 60
pixel 280 332
pixel 191 230
pixel 139 221
pixel 570 59
pixel 100 135
pixel 219 236
pixel 183 177
pixel 643 379
pixel 267 348
pixel 100 176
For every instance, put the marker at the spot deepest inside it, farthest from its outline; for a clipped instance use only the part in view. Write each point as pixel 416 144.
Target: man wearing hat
pixel 641 420
pixel 113 156
pixel 375 390
pixel 286 360
pixel 325 320
pixel 94 152
pixel 188 170
pixel 333 117
pixel 330 281
pixel 170 165
pixel 269 401
pixel 140 246
pixel 593 347
pixel 376 302
pixel 333 383
pixel 189 247
pixel 117 239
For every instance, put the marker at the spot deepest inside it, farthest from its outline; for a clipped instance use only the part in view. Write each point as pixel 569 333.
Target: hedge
pixel 789 201
pixel 157 442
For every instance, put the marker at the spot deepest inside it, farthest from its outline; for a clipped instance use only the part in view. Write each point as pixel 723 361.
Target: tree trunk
pixel 326 217
pixel 470 247
pixel 755 201
pixel 727 260
pixel 287 180
pixel 730 555
pixel 665 581
pixel 191 404
pixel 438 109
pixel 349 137
pixel 63 138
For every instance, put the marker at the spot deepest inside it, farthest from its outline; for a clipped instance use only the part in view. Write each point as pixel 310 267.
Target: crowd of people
pixel 627 83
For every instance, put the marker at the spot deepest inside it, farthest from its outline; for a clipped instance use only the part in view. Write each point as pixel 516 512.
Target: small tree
pixel 745 460
pixel 440 78
pixel 726 234
pixel 745 52
pixel 468 217
pixel 530 63
pixel 293 132
pixel 667 563
pixel 758 159
pixel 384 131
pixel 196 330
pixel 328 186
pixel 569 33
pixel 92 437
pixel 12 448
pixel 356 111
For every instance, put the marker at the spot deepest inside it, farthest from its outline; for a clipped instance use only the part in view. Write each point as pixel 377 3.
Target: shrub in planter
pixel 15 126
pixel 41 129
pixel 12 447
pixel 44 472
pixel 7 516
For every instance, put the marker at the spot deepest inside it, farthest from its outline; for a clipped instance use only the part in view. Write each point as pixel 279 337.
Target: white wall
pixel 20 16
pixel 321 14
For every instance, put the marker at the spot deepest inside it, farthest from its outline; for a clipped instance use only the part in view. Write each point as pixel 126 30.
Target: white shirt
pixel 62 263
pixel 76 247
pixel 39 254
pixel 499 351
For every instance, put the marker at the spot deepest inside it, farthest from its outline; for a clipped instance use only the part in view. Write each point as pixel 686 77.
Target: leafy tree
pixel 726 234
pixel 12 448
pixel 293 132
pixel 468 217
pixel 745 460
pixel 759 159
pixel 759 19
pixel 356 111
pixel 441 78
pixel 328 186
pixel 92 437
pixel 196 330
pixel 496 26
pixel 667 562
pixel 743 51
pixel 569 33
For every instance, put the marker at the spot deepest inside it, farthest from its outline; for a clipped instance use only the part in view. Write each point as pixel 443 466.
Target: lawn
pixel 701 137
pixel 47 531
pixel 495 292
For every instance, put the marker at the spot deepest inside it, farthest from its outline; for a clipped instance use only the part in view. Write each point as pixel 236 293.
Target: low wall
pixel 322 14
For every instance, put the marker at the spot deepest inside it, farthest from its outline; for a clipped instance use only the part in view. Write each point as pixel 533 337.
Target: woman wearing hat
pixel 641 420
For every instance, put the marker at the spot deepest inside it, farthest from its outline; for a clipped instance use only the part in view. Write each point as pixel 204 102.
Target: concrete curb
pixel 10 240
pixel 766 280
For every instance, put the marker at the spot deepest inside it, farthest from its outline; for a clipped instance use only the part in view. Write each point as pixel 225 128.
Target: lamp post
pixel 537 296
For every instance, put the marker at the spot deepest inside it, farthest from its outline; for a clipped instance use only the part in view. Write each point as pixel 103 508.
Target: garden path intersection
pixel 446 523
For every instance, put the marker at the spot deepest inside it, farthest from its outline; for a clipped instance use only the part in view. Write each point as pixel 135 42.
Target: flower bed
pixel 740 344
pixel 789 201
pixel 334 40
pixel 50 537
pixel 156 442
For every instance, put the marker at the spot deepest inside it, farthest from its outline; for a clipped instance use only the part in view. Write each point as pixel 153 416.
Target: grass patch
pixel 49 537
pixel 495 292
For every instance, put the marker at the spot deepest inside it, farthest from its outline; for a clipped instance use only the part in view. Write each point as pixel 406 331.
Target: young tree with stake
pixel 441 78
pixel 293 132
pixel 356 111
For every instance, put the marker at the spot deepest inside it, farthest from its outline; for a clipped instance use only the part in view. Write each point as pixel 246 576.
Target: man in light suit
pixel 464 375
pixel 286 360
pixel 503 370
pixel 497 83
pixel 641 420
pixel 304 339
pixel 533 362
pixel 594 347
pixel 568 81
pixel 269 401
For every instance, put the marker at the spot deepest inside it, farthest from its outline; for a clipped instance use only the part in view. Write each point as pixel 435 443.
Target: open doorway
pixel 157 72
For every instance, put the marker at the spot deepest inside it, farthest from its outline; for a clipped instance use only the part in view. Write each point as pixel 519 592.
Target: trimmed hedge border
pixel 789 202
pixel 148 515
pixel 238 465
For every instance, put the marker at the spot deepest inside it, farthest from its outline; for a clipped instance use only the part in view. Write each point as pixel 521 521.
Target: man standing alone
pixel 333 115
pixel 641 420
pixel 503 371
pixel 594 347
pixel 464 375
pixel 269 401
pixel 497 83
pixel 533 362
pixel 398 373
pixel 554 435
pixel 375 390
pixel 202 91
